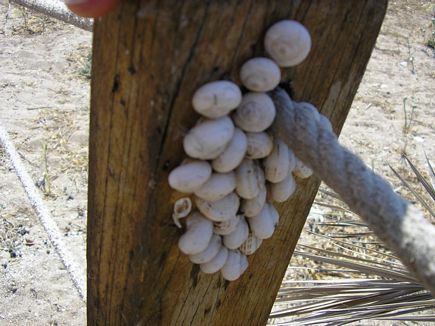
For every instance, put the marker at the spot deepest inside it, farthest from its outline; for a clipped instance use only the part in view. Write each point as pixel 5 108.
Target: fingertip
pixel 91 8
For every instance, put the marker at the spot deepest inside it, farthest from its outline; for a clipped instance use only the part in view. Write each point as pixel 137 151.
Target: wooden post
pixel 148 60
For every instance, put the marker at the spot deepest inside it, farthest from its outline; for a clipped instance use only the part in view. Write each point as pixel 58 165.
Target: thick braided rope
pixel 395 221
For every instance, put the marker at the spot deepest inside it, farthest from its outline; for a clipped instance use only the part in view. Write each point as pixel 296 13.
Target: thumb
pixel 91 8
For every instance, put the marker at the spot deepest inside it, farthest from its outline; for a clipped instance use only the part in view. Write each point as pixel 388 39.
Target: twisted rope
pixel 395 221
pixel 75 272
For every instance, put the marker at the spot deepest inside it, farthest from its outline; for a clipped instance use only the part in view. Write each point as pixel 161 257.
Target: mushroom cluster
pixel 235 168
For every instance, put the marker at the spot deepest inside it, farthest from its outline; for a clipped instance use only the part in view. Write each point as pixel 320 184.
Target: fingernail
pixel 74 2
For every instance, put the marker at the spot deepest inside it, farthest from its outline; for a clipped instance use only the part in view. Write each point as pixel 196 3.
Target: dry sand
pixel 44 105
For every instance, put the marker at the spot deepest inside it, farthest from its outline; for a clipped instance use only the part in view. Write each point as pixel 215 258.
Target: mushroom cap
pixel 217 186
pixel 288 42
pixel 260 145
pixel 216 263
pixel 260 74
pixel 189 177
pixel 198 235
pixel 233 154
pixel 255 113
pixel 209 253
pixel 209 138
pixel 220 210
pixel 216 99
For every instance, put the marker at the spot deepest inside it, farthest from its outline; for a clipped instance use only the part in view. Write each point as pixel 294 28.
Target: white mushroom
pixel 260 145
pixel 198 234
pixel 216 99
pixel 251 207
pixel 209 253
pixel 249 177
pixel 190 176
pixel 233 153
pixel 288 42
pixel 263 224
pixel 250 245
pixel 235 239
pixel 260 75
pixel 232 268
pixel 277 164
pixel 282 191
pixel 217 186
pixel 256 112
pixel 216 263
pixel 208 139
pixel 182 208
pixel 226 227
pixel 220 210
pixel 301 170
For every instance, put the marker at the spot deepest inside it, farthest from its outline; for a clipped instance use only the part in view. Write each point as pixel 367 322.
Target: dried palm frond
pixel 352 276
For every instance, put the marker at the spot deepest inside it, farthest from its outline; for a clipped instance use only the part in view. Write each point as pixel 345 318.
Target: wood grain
pixel 148 59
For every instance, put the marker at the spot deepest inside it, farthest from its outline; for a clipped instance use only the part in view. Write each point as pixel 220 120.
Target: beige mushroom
pixel 233 153
pixel 260 145
pixel 190 176
pixel 277 164
pixel 216 263
pixel 282 191
pixel 209 253
pixel 197 236
pixel 217 186
pixel 209 138
pixel 220 210
pixel 260 74
pixel 216 99
pixel 235 239
pixel 256 112
pixel 288 42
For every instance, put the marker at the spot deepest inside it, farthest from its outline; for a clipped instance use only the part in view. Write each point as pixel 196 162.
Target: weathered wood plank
pixel 146 67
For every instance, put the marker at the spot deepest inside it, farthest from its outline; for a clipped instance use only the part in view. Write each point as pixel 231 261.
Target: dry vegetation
pixel 341 273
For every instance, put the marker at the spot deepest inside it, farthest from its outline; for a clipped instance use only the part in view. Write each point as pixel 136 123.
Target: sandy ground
pixel 44 105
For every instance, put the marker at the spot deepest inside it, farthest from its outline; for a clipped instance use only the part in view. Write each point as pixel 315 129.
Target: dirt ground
pixel 44 106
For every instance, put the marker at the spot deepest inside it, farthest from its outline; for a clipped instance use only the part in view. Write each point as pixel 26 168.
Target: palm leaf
pixel 372 285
